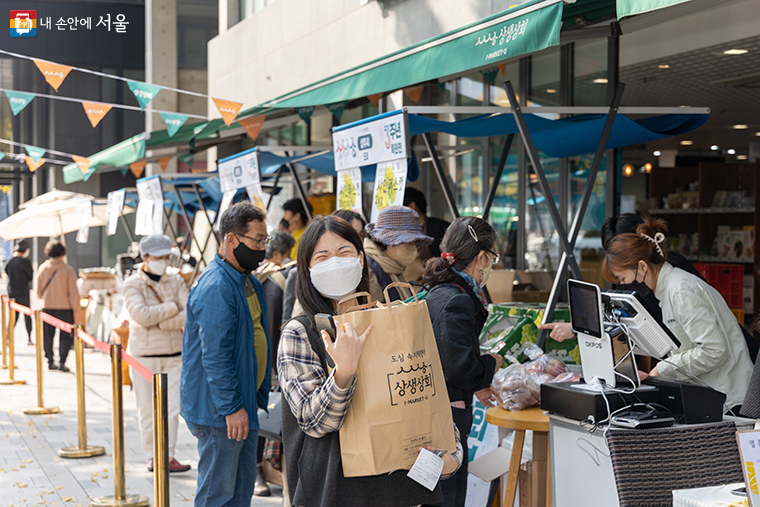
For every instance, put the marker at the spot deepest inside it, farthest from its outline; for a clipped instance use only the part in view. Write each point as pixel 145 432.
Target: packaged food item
pixel 511 384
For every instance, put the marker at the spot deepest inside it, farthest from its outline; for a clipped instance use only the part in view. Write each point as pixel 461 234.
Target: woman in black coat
pixel 458 312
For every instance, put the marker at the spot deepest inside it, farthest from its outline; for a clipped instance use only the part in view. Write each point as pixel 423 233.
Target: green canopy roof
pixel 118 155
pixel 627 8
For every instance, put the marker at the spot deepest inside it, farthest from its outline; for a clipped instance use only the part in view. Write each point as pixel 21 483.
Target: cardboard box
pixel 509 285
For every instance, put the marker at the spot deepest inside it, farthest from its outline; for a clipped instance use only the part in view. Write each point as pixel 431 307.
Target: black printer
pixel 690 403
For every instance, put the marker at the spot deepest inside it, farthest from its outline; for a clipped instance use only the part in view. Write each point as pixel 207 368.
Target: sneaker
pixel 64 368
pixel 176 466
pixel 150 465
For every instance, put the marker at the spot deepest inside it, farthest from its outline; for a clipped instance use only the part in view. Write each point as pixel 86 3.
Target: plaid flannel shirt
pixel 319 405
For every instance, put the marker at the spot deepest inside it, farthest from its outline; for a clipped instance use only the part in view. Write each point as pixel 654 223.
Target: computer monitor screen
pixel 585 308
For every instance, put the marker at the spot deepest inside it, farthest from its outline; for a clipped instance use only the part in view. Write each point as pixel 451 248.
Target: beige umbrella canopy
pixel 51 215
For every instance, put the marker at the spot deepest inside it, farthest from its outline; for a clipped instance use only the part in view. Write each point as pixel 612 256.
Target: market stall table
pixel 529 419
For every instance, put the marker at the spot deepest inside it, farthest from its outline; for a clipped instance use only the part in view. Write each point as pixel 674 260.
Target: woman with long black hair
pixel 331 266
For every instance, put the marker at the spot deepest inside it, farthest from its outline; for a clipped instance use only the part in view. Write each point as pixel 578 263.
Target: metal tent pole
pixel 299 189
pixel 274 187
pixel 127 228
pixel 441 175
pixel 497 177
pixel 185 214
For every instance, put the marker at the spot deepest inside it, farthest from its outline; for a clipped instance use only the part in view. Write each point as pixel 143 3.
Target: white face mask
pixel 337 277
pixel 158 267
pixel 486 275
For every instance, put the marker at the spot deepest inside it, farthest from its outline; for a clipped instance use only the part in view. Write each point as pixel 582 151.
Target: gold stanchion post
pixel 40 409
pixel 3 304
pixel 119 498
pixel 160 440
pixel 11 352
pixel 82 450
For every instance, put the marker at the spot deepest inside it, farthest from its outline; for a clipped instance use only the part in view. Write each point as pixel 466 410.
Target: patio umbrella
pixel 53 195
pixel 52 219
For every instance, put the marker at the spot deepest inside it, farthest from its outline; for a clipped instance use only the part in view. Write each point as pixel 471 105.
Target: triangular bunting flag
pixel 35 153
pixel 137 168
pixel 442 86
pixel 164 162
pixel 54 74
pixel 502 68
pixel 305 113
pixel 95 111
pixel 228 109
pixel 490 74
pixel 173 122
pixel 187 159
pixel 414 92
pixel 143 92
pixel 253 125
pixel 337 108
pixel 18 100
pixel 82 162
pixel 124 171
pixel 375 99
pixel 34 165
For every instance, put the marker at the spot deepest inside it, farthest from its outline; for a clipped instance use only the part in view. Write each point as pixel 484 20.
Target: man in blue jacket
pixel 225 361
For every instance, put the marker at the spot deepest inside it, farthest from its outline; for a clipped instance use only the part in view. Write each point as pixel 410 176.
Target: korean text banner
pixel 371 142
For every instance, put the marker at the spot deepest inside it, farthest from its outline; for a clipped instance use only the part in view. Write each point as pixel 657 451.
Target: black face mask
pixel 640 287
pixel 247 258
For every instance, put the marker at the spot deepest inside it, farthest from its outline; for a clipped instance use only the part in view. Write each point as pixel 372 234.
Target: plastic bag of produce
pixel 511 384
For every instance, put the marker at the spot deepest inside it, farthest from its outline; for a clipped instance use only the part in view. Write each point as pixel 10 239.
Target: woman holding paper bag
pixel 331 266
pixel 458 312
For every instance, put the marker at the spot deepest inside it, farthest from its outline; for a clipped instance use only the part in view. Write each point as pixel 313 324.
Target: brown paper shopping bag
pixel 400 402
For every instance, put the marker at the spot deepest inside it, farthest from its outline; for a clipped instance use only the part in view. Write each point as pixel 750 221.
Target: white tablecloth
pixel 709 497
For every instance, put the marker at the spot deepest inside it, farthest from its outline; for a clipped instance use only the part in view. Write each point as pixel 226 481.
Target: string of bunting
pixel 34 157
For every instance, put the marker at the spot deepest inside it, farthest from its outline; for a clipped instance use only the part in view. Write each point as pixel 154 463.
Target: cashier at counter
pixel 712 345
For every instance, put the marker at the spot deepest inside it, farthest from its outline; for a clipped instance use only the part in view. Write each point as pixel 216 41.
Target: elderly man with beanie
pixel 20 275
pixel 156 303
pixel 391 247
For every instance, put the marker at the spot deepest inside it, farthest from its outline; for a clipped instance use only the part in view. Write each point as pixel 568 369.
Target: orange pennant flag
pixel 137 168
pixel 95 111
pixel 253 125
pixel 82 162
pixel 228 109
pixel 54 74
pixel 414 92
pixel 502 68
pixel 163 162
pixel 33 166
pixel 375 99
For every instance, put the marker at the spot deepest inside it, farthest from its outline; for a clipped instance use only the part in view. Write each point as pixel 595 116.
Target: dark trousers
pixel 66 340
pixel 455 487
pixel 24 301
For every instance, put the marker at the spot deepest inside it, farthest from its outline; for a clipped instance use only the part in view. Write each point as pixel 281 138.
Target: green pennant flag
pixel 173 122
pixel 143 92
pixel 35 153
pixel 305 113
pixel 337 108
pixel 18 100
pixel 490 74
pixel 187 159
pixel 124 171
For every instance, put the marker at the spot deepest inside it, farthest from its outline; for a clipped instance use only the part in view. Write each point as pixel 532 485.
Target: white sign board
pixel 371 142
pixel 239 171
pixel 150 210
pixel 84 215
pixel 350 189
pixel 390 184
pixel 256 196
pixel 114 208
pixel 226 202
pixel 749 449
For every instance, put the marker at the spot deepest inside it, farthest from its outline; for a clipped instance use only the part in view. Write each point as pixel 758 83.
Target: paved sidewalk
pixel 32 474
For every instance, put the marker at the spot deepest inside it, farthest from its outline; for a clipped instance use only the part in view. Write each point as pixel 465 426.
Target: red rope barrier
pixel 22 309
pixel 63 326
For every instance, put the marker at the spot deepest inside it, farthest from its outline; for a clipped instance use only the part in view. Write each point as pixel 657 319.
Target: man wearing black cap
pixel 20 276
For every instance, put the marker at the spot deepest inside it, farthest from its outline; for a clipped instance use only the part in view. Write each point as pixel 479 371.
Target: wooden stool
pixel 529 419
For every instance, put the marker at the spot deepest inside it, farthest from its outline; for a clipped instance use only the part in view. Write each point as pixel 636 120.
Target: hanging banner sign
pixel 82 162
pixel 173 122
pixel 137 168
pixel 373 141
pixel 143 92
pixel 150 210
pixel 114 207
pixel 228 109
pixel 305 113
pixel 18 100
pixel 35 152
pixel 375 99
pixel 253 125
pixel 54 74
pixel 337 108
pixel 95 111
pixel 84 215
pixel 239 171
pixel 226 202
pixel 390 184
pixel 350 190
pixel 414 92
pixel 256 196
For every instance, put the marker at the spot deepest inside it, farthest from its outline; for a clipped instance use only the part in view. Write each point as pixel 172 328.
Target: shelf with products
pixel 711 215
